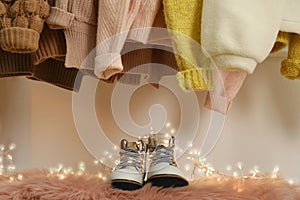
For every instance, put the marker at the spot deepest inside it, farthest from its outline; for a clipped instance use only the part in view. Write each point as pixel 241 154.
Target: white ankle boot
pixel 163 171
pixel 130 172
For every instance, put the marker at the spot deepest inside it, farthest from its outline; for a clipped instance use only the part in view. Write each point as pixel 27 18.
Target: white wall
pixel 262 128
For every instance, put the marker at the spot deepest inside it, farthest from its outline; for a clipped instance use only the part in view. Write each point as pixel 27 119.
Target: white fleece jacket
pixel 239 34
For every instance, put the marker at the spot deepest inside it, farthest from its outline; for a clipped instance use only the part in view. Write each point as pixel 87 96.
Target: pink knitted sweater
pixel 91 22
pixel 115 20
pixel 78 19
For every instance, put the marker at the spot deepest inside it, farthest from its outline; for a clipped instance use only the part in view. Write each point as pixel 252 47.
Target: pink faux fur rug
pixel 39 185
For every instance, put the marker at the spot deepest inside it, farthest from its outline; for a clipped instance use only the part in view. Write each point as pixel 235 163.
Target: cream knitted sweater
pixel 240 34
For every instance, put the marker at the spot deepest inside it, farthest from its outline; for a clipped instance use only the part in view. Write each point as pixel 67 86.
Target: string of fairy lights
pixel 201 168
pixel 198 168
pixel 6 159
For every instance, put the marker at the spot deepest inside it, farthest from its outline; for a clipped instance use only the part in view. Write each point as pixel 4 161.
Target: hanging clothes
pixel 52 44
pixel 229 32
pixel 21 23
pixel 184 19
pixel 240 34
pixel 150 61
pixel 290 67
pixel 78 20
pixel 282 41
pixel 115 19
pixel 55 73
pixel 229 82
pixel 48 62
pixel 14 64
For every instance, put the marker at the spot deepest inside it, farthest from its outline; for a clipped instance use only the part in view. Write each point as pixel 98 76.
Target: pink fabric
pixel 227 85
pixel 115 19
pixel 38 185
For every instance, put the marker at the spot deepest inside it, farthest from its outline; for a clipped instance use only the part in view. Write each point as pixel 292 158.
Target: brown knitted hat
pixel 21 22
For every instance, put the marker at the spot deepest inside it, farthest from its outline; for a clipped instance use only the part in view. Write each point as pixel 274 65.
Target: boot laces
pixel 163 154
pixel 130 158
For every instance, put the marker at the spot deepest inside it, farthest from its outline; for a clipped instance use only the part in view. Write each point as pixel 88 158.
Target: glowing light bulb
pixel 229 168
pixel 20 177
pixel 187 167
pixel 9 157
pixel 61 177
pixel 115 148
pixel 12 146
pixel 81 166
pixel 60 166
pixel 239 165
pixel 276 170
pixel 235 174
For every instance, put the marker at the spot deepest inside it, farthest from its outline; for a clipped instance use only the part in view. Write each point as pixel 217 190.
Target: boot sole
pixel 126 185
pixel 167 180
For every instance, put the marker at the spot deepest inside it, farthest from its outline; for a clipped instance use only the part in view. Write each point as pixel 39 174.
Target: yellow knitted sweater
pixel 183 18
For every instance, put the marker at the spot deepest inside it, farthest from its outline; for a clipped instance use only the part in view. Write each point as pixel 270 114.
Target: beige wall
pixel 262 127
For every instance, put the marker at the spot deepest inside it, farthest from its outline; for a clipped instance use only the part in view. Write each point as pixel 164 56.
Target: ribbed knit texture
pixel 290 67
pixel 12 64
pixel 78 19
pixel 195 79
pixel 140 29
pixel 52 44
pixel 282 41
pixel 54 72
pixel 19 40
pixel 22 22
pixel 59 16
pixel 184 18
pixel 114 21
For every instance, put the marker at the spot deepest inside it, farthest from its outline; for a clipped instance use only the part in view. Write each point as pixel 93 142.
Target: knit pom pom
pixel 5 22
pixel 44 9
pixel 15 9
pixel 2 9
pixel 36 23
pixel 21 21
pixel 30 6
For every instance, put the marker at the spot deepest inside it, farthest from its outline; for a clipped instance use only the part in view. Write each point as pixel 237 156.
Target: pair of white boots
pixel 130 173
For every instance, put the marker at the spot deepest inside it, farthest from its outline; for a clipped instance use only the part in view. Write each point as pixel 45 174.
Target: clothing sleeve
pixel 114 21
pixel 78 19
pixel 240 34
pixel 59 17
pixel 227 85
pixel 141 27
pixel 290 67
pixel 183 19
